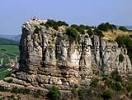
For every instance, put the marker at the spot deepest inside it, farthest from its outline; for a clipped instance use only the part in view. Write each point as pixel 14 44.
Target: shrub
pixel 3 89
pixel 61 23
pixel 55 24
pixel 115 76
pixel 20 90
pixel 124 41
pixel 121 58
pixel 78 28
pixel 73 34
pixel 81 28
pixel 98 32
pixel 107 94
pixel 37 93
pixel 117 86
pixel 127 42
pixel 54 93
pixel 94 83
pixel 83 93
pixel 74 91
pixel 37 29
pixel 106 27
pixel 129 87
pixel 90 32
pixel 123 28
pixel 16 90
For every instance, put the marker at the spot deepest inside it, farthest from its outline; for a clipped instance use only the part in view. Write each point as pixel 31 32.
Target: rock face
pixel 48 57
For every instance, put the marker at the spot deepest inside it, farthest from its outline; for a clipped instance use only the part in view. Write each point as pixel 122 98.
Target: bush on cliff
pixel 106 26
pixel 115 76
pixel 98 32
pixel 54 93
pixel 73 34
pixel 127 42
pixel 55 24
pixel 81 28
pixel 107 94
pixel 123 28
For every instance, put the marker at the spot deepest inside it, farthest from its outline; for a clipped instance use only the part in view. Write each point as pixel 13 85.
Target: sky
pixel 13 13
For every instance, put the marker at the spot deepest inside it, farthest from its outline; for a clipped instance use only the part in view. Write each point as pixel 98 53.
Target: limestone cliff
pixel 48 57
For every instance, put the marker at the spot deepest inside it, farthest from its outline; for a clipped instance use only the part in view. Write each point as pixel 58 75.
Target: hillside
pixel 9 49
pixel 4 41
pixel 11 37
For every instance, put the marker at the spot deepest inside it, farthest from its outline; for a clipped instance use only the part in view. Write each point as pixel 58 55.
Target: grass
pixel 109 35
pixel 11 50
pixel 8 51
pixel 4 72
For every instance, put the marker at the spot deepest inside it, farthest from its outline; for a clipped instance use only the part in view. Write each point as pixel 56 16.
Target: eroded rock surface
pixel 48 57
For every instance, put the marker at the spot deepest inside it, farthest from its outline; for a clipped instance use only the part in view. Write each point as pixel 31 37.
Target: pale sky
pixel 91 12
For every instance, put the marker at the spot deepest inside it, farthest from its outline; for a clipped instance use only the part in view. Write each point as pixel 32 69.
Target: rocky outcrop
pixel 48 57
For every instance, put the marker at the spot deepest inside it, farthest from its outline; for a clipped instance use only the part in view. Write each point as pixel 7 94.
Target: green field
pixel 4 72
pixel 8 50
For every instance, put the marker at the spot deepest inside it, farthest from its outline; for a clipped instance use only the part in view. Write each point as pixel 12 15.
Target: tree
pixel 106 26
pixel 123 28
pixel 73 34
pixel 54 93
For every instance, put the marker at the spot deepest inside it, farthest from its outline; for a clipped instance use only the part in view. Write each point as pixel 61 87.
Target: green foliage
pixel 106 26
pixel 127 42
pixel 13 97
pixel 115 76
pixel 55 24
pixel 107 94
pixel 121 58
pixel 117 86
pixel 20 90
pixel 123 28
pixel 54 93
pixel 129 87
pixel 94 83
pixel 83 93
pixel 73 34
pixel 61 23
pixel 37 93
pixel 98 32
pixel 4 72
pixel 7 42
pixel 37 29
pixel 8 52
pixel 81 28
pixel 124 41
pixel 3 89
pixel 90 32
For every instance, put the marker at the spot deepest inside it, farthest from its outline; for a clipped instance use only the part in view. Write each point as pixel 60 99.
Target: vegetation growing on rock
pixel 73 34
pixel 81 28
pixel 106 27
pixel 125 41
pixel 123 28
pixel 106 88
pixel 54 93
pixel 55 24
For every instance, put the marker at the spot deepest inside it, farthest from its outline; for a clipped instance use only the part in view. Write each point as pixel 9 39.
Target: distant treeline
pixel 8 42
